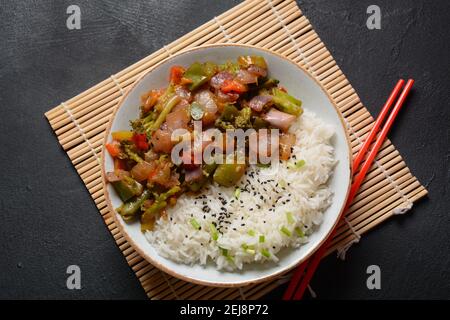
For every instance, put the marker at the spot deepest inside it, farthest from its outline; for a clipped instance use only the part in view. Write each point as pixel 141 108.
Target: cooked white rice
pixel 260 210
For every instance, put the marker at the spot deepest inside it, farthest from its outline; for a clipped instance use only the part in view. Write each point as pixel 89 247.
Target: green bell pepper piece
pixel 199 74
pixel 127 188
pixel 228 174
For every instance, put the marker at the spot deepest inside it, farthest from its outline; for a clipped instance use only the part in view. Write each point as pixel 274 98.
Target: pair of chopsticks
pixel 304 273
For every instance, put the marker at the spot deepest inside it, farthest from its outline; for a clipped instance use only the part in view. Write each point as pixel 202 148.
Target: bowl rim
pixel 162 267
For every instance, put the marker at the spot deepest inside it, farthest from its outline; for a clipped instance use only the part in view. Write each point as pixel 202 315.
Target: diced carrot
pixel 233 86
pixel 113 148
pixel 176 73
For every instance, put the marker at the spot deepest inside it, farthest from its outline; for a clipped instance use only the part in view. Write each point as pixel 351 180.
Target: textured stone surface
pixel 48 220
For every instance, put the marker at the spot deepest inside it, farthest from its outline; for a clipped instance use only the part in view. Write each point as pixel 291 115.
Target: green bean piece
pixel 286 103
pixel 129 209
pixel 172 102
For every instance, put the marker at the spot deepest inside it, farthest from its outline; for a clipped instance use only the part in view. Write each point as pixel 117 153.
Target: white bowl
pixel 298 82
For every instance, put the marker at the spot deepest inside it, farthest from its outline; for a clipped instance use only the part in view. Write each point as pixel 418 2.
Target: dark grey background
pixel 47 218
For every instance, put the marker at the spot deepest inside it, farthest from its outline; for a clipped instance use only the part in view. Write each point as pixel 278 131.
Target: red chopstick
pixel 314 261
pixel 362 152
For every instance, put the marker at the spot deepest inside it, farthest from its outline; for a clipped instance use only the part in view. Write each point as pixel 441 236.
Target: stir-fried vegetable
pixel 238 94
pixel 196 111
pixel 286 102
pixel 165 111
pixel 228 174
pixel 129 209
pixel 158 205
pixel 198 74
pixel 247 61
pixel 125 186
pixel 122 135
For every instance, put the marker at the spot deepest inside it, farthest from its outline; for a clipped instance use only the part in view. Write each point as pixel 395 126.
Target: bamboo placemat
pixel 388 189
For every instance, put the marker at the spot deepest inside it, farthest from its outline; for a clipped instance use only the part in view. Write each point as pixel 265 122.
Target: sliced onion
pixel 217 81
pixel 258 71
pixel 183 93
pixel 246 77
pixel 206 99
pixel 279 119
pixel 259 102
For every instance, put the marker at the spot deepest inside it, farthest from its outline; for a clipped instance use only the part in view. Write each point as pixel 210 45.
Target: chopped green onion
pixel 251 233
pixel 195 224
pixel 237 193
pixel 265 253
pixel 289 217
pixel 226 255
pixel 299 232
pixel 224 251
pixel 214 233
pixel 262 239
pixel 248 248
pixel 286 231
pixel 296 165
